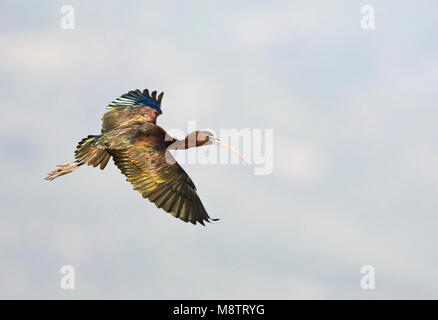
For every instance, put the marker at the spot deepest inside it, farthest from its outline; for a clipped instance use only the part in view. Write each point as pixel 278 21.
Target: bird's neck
pixel 189 142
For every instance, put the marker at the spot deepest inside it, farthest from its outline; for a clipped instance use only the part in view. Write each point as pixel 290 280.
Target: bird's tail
pixel 87 152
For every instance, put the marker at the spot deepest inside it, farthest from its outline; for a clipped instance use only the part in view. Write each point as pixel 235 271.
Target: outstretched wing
pixel 163 182
pixel 134 106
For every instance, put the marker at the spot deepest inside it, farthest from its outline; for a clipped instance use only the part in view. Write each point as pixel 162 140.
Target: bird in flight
pixel 140 149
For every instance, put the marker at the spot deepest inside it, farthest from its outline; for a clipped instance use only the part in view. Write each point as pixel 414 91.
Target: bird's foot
pixel 61 170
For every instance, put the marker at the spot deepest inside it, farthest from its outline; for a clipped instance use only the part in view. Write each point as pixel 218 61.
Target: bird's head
pixel 204 138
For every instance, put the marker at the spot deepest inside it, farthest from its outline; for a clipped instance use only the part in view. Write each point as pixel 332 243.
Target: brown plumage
pixel 140 149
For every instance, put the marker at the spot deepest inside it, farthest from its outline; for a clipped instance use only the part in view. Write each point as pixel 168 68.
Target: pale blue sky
pixel 356 160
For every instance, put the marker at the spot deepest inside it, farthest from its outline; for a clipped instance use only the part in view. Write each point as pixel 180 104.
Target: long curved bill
pixel 220 143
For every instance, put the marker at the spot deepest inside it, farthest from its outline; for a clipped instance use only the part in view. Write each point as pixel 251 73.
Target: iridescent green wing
pixel 134 106
pixel 158 177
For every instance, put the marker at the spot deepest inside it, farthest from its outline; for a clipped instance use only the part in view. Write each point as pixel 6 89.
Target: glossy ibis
pixel 140 149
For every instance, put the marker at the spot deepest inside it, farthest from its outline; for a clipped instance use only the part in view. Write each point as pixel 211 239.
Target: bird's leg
pixel 62 169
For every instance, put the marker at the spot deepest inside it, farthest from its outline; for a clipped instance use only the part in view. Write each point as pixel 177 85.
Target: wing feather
pixel 165 184
pixel 134 106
